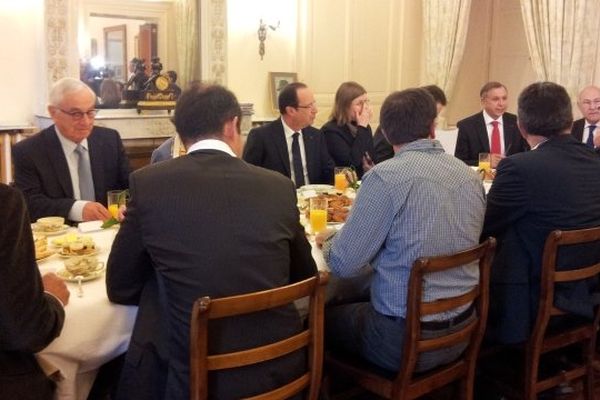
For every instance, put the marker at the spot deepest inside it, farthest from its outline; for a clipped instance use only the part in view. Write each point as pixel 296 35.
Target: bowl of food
pixel 50 224
pixel 83 266
pixel 338 207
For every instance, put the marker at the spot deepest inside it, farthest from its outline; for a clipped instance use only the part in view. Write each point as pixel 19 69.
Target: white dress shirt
pixel 211 144
pixel 488 125
pixel 289 132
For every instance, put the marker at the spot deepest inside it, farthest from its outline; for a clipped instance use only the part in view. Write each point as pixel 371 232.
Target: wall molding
pixel 213 37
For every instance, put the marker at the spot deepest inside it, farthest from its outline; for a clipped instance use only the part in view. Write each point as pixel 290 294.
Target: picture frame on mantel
pixel 277 81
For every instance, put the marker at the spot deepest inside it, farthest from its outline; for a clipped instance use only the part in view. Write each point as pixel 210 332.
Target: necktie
pixel 496 147
pixel 297 161
pixel 86 183
pixel 590 139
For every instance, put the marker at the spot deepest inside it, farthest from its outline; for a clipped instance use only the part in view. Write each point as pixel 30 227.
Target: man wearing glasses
pixel 584 129
pixel 289 145
pixel 66 169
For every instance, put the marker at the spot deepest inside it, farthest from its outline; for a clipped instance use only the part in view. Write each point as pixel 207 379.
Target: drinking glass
pixel 318 214
pixel 485 162
pixel 116 199
pixel 341 178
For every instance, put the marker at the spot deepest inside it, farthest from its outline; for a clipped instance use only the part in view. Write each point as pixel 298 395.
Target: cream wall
pixel 247 74
pixel 20 64
pixel 375 42
pixel 326 42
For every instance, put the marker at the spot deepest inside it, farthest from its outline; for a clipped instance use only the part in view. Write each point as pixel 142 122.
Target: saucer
pixel 67 276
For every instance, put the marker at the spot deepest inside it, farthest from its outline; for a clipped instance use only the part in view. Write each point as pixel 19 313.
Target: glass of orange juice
pixel 485 162
pixel 341 178
pixel 485 165
pixel 318 214
pixel 115 199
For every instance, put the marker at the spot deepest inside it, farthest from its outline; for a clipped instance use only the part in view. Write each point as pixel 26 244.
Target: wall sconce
pixel 262 36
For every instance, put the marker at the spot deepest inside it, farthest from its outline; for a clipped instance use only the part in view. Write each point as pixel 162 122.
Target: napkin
pixel 90 226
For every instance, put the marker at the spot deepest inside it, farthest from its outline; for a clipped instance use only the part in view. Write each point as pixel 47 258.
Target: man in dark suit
pixel 492 130
pixel 556 185
pixel 584 129
pixel 206 224
pixel 289 145
pixel 31 307
pixel 67 168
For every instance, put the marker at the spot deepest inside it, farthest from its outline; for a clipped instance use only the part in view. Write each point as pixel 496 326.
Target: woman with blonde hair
pixel 348 133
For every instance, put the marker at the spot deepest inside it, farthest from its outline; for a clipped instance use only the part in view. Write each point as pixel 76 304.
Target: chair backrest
pixel 311 337
pixel 471 333
pixel 552 274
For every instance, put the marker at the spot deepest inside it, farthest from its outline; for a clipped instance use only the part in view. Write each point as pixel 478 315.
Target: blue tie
pixel 297 161
pixel 590 139
pixel 86 182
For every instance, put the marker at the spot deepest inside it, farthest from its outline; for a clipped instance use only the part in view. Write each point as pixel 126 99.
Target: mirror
pixel 115 50
pixel 111 33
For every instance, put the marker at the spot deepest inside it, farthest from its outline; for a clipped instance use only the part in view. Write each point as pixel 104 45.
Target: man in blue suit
pixel 289 145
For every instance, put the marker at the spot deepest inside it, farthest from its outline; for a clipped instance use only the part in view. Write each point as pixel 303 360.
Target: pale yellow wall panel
pixel 328 44
pixel 371 50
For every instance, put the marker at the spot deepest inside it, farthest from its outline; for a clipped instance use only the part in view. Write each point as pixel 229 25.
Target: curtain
pixel 188 39
pixel 445 27
pixel 562 36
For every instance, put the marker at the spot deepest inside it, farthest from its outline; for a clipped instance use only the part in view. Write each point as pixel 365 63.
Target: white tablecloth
pixel 95 330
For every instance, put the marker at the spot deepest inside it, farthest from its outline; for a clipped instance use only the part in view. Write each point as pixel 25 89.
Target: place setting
pixel 78 246
pixel 81 269
pixel 50 226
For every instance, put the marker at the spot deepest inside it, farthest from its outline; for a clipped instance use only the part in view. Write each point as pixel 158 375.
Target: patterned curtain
pixel 562 36
pixel 445 27
pixel 188 41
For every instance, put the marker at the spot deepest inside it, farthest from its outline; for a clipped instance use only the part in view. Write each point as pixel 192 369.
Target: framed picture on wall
pixel 277 81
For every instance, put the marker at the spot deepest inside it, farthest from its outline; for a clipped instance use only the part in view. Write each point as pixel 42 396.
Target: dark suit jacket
pixel 383 148
pixel 266 147
pixel 42 173
pixel 345 149
pixel 577 129
pixel 473 138
pixel 556 186
pixel 240 236
pixel 29 319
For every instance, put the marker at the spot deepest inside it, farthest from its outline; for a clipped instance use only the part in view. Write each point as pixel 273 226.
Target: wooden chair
pixel 311 337
pixel 407 384
pixel 544 340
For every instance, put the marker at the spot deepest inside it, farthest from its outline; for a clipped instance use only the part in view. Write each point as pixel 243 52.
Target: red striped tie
pixel 496 147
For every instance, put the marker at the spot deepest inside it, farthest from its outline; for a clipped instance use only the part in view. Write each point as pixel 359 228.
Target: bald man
pixel 584 129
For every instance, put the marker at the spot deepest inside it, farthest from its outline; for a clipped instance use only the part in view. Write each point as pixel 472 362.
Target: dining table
pixel 95 330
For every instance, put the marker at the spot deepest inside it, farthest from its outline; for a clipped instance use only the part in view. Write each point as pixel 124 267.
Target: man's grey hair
pixel 65 86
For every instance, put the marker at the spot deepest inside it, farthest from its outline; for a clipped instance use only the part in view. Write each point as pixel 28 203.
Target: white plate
pixel 67 276
pixel 316 188
pixel 67 255
pixel 36 229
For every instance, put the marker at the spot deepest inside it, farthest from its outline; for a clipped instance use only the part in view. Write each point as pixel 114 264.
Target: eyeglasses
pixel 77 115
pixel 589 103
pixel 311 106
